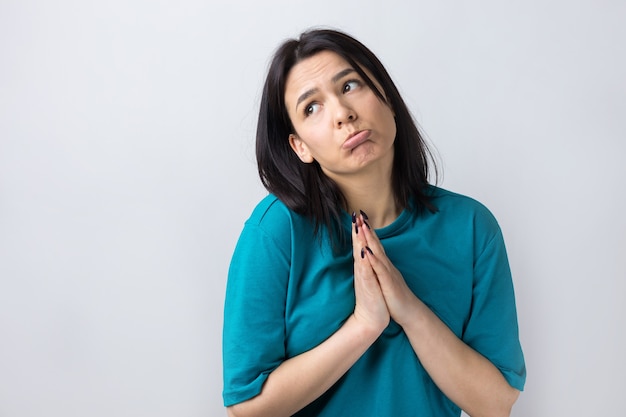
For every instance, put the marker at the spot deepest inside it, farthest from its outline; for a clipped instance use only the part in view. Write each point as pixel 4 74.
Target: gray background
pixel 127 170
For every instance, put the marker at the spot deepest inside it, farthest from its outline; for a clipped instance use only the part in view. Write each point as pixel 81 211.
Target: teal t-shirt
pixel 288 291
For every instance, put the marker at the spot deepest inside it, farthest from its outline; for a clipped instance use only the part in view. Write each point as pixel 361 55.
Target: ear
pixel 300 148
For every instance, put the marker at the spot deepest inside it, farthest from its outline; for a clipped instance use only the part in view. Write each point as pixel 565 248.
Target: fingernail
pixel 368 226
pixel 356 228
pixel 364 215
pixel 369 250
pixel 362 253
pixel 353 217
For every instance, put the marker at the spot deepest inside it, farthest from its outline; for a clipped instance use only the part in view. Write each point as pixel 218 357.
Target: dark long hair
pixel 303 187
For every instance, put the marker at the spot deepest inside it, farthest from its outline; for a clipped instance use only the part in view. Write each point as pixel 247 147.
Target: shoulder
pixel 269 211
pixel 267 230
pixel 461 208
pixel 272 218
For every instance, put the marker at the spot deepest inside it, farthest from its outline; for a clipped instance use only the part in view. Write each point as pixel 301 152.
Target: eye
pixel 310 109
pixel 351 85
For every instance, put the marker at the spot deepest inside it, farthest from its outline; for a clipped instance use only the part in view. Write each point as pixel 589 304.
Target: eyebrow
pixel 312 91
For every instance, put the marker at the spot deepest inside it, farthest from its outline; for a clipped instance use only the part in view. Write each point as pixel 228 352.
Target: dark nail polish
pixel 356 228
pixel 369 250
pixel 353 217
pixel 367 224
pixel 364 215
pixel 362 253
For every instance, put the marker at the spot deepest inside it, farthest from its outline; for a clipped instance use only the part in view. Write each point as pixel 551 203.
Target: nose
pixel 344 114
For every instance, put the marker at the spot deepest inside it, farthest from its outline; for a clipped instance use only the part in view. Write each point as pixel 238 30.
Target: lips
pixel 356 139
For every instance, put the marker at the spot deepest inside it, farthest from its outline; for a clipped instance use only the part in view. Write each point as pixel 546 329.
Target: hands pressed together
pixel 381 291
pixel 382 294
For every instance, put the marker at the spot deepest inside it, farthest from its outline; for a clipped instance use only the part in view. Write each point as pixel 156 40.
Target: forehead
pixel 317 64
pixel 313 70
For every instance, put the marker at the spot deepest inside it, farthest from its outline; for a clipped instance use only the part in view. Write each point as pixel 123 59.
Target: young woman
pixel 356 288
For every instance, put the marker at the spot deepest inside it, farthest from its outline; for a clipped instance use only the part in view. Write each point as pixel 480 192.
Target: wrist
pixel 363 329
pixel 412 312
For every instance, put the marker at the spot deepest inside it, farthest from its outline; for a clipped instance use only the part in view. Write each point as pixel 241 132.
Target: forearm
pixel 300 380
pixel 469 379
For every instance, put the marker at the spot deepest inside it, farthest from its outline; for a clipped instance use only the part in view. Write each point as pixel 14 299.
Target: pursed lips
pixel 355 139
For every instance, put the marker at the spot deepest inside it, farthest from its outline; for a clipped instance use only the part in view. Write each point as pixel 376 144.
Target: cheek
pixel 314 132
pixel 394 127
pixel 389 121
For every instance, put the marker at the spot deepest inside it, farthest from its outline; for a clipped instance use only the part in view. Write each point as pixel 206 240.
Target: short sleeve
pixel 254 325
pixel 492 328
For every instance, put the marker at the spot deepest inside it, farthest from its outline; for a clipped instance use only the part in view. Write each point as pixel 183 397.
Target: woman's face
pixel 338 120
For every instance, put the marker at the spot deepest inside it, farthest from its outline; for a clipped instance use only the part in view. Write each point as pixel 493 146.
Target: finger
pixel 380 264
pixel 369 235
pixel 358 239
pixel 374 261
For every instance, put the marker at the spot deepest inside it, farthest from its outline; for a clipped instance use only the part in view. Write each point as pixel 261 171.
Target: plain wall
pixel 127 170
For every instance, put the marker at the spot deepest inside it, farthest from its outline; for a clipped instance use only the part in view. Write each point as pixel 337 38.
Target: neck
pixel 379 204
pixel 372 193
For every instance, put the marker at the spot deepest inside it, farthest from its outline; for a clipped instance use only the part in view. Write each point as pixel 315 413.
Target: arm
pixel 466 377
pixel 300 380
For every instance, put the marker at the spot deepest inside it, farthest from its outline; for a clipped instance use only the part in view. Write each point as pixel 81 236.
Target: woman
pixel 407 310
